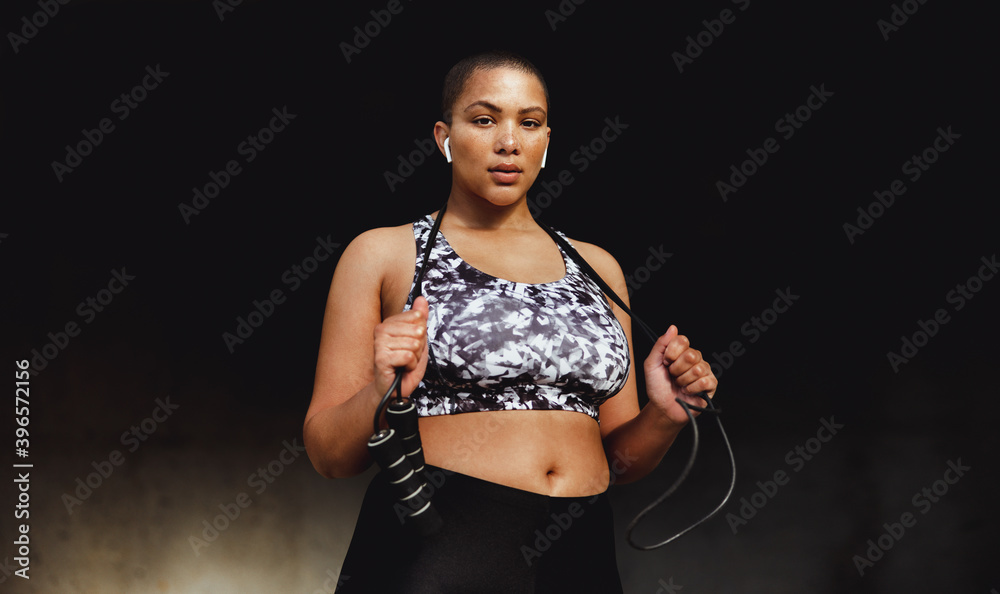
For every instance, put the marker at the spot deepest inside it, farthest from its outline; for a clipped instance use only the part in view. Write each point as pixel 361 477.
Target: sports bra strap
pixel 427 251
pixel 571 251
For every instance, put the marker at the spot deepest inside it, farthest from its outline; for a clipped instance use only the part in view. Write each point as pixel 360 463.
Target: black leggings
pixel 494 538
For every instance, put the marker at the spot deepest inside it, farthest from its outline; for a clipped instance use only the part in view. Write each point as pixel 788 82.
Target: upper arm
pixel 353 309
pixel 624 405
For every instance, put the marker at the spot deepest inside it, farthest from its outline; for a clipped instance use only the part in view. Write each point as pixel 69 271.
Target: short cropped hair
pixel 458 76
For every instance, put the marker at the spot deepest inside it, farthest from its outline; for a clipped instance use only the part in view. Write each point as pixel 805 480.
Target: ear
pixel 545 155
pixel 441 133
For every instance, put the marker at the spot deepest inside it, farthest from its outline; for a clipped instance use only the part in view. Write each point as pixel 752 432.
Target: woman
pixel 521 343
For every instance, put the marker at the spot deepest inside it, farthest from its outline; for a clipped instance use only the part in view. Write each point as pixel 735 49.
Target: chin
pixel 505 195
pixel 499 195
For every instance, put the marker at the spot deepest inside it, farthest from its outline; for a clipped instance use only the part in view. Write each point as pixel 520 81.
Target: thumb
pixel 658 352
pixel 420 304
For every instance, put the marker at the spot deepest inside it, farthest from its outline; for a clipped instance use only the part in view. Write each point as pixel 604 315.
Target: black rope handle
pixel 397 383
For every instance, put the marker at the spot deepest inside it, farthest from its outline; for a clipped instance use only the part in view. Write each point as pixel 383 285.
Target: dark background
pixel 653 187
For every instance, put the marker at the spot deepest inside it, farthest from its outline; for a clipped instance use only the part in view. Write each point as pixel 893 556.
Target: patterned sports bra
pixel 502 345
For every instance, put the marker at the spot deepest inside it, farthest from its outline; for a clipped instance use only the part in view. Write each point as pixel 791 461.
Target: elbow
pixel 332 468
pixel 330 458
pixel 323 467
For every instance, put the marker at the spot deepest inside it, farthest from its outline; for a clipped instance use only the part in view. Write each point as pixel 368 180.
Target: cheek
pixel 473 147
pixel 471 172
pixel 538 146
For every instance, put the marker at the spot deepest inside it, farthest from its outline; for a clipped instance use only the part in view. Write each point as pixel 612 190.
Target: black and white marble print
pixel 502 345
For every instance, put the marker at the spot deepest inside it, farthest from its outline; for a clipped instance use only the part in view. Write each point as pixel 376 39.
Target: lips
pixel 505 173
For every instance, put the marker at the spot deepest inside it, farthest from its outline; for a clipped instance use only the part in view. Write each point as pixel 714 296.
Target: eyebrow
pixel 492 107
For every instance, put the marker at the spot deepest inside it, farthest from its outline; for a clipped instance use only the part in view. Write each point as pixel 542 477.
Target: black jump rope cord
pixel 428 526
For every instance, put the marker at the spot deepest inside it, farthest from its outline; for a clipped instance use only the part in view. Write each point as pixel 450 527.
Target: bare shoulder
pixel 602 261
pixel 376 253
pixel 381 244
pixel 379 263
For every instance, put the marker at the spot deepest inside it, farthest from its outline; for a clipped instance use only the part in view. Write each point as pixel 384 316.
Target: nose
pixel 507 141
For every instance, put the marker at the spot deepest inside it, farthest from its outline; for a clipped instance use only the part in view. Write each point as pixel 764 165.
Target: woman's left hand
pixel 675 370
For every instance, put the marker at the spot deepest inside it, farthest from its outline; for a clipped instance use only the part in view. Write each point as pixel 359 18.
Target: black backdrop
pixel 867 96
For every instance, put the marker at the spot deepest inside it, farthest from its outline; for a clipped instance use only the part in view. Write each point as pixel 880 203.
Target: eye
pixel 483 120
pixel 531 123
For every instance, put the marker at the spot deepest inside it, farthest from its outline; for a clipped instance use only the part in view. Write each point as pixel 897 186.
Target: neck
pixel 475 212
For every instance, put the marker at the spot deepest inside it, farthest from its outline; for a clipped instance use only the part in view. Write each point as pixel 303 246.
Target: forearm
pixel 635 448
pixel 336 438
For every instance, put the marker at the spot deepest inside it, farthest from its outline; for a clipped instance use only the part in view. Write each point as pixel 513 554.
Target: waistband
pixel 446 482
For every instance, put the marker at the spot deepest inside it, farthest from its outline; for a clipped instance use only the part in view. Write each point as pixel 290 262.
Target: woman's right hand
pixel 401 341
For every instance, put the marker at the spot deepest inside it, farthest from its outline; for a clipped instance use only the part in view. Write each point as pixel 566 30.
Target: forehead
pixel 503 84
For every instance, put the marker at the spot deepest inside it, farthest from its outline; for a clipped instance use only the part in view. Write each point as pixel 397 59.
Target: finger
pixel 399 329
pixel 415 315
pixel 684 362
pixel 706 384
pixel 656 354
pixel 402 343
pixel 676 348
pixel 404 323
pixel 390 359
pixel 697 372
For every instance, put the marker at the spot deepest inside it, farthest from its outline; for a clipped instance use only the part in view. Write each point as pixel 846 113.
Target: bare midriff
pixel 557 453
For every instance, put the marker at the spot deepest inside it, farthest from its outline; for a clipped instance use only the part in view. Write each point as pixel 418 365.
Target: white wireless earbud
pixel 544 156
pixel 447 149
